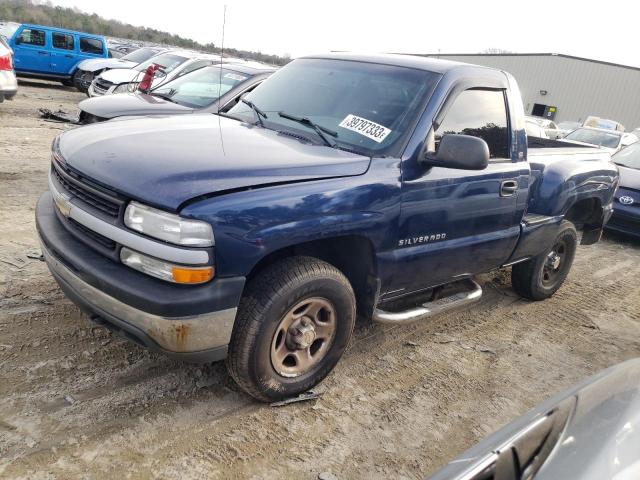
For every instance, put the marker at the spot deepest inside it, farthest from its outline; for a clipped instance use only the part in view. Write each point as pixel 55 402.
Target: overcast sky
pixel 604 31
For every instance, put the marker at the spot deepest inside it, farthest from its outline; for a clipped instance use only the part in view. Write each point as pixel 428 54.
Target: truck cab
pixel 344 185
pixel 53 53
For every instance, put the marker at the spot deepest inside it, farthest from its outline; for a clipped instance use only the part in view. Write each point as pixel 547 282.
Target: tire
pixel 258 359
pixel 77 81
pixel 67 83
pixel 540 277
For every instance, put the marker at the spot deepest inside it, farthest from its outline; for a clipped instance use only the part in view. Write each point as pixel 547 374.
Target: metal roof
pixel 562 55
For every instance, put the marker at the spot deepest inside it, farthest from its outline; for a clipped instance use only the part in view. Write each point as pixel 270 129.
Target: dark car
pixel 626 208
pixel 590 431
pixel 203 90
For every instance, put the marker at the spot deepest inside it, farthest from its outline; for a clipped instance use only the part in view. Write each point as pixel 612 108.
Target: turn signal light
pixel 192 275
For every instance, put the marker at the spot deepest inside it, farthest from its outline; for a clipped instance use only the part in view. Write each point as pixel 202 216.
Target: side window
pixel 29 36
pixel 63 41
pixel 91 45
pixel 479 113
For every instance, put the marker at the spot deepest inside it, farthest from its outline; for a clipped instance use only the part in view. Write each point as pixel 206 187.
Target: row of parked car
pixel 606 134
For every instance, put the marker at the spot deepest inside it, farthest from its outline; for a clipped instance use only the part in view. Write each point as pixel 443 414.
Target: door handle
pixel 40 52
pixel 68 55
pixel 508 188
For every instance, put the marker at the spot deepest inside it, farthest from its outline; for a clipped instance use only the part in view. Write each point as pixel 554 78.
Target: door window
pixel 62 40
pixel 30 36
pixel 479 113
pixel 91 45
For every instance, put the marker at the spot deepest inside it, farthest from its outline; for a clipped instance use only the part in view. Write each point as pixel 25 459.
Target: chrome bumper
pixel 172 334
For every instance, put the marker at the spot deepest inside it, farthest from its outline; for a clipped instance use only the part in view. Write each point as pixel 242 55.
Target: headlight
pixel 164 270
pixel 125 87
pixel 167 226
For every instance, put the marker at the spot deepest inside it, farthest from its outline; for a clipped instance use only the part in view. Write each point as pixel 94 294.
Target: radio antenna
pixel 224 21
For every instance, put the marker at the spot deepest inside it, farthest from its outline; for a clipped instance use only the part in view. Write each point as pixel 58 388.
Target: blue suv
pixel 52 53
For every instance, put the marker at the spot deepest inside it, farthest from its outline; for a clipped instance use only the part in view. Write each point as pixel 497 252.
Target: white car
pixel 549 126
pixel 534 129
pixel 609 140
pixel 90 68
pixel 173 63
pixel 566 127
pixel 8 82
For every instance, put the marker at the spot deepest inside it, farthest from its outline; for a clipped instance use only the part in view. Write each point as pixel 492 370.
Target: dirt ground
pixel 76 402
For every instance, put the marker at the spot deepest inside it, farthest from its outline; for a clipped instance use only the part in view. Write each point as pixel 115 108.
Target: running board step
pixel 430 309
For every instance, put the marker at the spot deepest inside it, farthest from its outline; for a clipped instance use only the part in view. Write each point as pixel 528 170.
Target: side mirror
pixel 18 40
pixel 459 151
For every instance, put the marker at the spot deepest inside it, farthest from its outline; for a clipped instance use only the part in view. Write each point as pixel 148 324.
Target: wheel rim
pixel 303 337
pixel 554 263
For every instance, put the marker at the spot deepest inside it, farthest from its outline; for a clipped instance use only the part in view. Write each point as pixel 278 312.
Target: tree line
pixel 45 13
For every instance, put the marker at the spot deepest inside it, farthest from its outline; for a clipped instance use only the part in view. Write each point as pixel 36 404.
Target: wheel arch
pixel 353 255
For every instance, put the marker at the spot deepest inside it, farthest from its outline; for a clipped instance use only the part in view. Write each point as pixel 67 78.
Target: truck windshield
pixel 370 106
pixel 140 55
pixel 200 88
pixel 167 61
pixel 595 137
pixel 628 157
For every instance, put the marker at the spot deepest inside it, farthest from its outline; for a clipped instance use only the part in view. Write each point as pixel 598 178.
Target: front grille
pixel 99 199
pixel 101 86
pixel 96 237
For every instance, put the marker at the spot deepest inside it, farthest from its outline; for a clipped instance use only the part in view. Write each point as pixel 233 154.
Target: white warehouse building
pixel 562 87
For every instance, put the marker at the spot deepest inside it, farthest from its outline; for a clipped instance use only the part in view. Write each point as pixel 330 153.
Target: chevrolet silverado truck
pixel 343 185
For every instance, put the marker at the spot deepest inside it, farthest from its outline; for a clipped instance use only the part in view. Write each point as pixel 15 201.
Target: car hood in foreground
pixel 95 64
pixel 166 161
pixel 124 104
pixel 598 437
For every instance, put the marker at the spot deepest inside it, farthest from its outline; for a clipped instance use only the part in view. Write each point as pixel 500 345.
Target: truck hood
pixel 124 104
pixel 166 161
pixel 95 64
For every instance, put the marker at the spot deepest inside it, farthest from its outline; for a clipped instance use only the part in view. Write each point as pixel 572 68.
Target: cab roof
pixel 430 64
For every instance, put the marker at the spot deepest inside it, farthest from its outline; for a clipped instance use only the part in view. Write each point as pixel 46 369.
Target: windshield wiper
pixel 319 130
pixel 164 97
pixel 259 113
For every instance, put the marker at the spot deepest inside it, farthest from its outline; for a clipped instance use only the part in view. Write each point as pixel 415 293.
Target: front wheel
pixel 542 276
pixel 294 322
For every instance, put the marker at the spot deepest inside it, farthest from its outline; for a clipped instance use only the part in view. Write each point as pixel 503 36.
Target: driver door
pixel 455 223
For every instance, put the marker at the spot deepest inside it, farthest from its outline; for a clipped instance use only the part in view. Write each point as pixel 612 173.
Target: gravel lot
pixel 77 402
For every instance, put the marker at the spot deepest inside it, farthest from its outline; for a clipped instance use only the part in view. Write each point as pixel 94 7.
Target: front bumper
pixel 191 323
pixel 624 223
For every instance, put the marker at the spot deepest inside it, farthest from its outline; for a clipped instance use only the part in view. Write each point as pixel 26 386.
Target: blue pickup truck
pixel 52 53
pixel 343 185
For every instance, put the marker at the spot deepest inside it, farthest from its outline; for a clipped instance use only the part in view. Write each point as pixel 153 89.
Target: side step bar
pixel 430 309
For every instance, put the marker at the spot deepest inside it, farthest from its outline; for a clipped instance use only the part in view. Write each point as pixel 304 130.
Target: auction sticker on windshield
pixel 365 127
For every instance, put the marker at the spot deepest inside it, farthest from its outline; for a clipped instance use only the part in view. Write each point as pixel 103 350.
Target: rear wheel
pixel 79 81
pixel 542 276
pixel 294 323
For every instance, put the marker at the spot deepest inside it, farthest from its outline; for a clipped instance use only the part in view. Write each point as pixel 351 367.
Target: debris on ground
pixel 59 116
pixel 303 397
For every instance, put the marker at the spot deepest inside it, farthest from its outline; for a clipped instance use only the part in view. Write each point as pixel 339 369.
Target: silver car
pixel 589 432
pixel 88 69
pixel 173 63
pixel 8 82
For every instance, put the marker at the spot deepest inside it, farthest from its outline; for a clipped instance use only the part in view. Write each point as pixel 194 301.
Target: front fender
pixel 251 224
